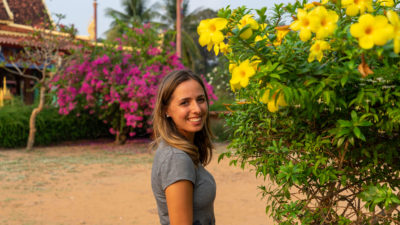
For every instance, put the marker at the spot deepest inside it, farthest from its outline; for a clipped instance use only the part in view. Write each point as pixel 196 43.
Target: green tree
pixel 44 52
pixel 134 11
pixel 192 54
pixel 318 111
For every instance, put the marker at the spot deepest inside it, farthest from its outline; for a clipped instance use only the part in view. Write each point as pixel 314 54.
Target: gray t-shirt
pixel 171 165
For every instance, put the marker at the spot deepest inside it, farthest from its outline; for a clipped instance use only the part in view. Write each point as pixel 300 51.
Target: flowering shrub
pixel 118 82
pixel 317 108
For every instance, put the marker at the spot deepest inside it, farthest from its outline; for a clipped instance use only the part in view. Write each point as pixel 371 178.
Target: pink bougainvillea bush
pixel 118 81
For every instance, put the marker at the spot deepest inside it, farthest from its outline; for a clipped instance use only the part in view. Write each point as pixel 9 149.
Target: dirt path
pixel 102 184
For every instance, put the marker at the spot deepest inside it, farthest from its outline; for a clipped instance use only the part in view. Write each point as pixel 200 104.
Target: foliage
pixel 51 126
pixel 163 15
pixel 318 110
pixel 118 82
pixel 43 54
pixel 218 79
pixel 191 54
pixel 135 11
pixel 219 128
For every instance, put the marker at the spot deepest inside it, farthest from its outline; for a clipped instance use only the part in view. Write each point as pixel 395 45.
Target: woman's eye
pixel 201 100
pixel 184 103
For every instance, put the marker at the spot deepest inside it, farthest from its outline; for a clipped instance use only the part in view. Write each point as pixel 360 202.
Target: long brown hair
pixel 164 128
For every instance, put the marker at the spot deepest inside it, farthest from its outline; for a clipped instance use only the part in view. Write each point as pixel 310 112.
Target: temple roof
pixel 24 12
pixel 4 15
pixel 19 18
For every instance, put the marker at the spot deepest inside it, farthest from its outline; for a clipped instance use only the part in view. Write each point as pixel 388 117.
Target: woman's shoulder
pixel 165 152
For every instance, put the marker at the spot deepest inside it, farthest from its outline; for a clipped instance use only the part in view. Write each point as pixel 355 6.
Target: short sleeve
pixel 178 167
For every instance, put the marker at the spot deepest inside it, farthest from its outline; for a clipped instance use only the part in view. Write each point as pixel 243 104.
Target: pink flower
pixel 147 25
pixel 105 71
pixel 102 60
pixel 210 90
pixel 153 51
pixel 138 31
pixel 126 58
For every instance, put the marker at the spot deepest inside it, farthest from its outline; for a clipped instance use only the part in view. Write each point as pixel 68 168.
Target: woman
pixel 183 189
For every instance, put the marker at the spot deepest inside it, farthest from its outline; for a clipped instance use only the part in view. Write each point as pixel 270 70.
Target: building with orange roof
pixel 18 20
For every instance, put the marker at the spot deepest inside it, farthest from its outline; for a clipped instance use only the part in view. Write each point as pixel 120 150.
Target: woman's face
pixel 188 108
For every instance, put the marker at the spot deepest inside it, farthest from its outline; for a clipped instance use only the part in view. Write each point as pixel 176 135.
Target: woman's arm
pixel 180 202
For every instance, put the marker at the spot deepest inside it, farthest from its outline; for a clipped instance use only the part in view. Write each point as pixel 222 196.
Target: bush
pixel 118 82
pixel 51 126
pixel 318 109
pixel 219 128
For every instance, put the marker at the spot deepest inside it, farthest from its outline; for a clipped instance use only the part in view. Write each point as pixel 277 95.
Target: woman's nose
pixel 196 107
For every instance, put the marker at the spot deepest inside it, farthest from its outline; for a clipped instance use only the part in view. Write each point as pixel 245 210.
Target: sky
pixel 80 12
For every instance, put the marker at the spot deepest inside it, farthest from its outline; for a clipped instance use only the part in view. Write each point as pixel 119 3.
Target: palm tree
pixel 134 11
pixel 192 55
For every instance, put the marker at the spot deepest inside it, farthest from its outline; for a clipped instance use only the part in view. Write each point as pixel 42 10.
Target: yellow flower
pixel 309 6
pixel 281 32
pixel 353 7
pixel 387 3
pixel 232 66
pixel 395 21
pixel 234 86
pixel 248 20
pixel 317 50
pixel 259 38
pixel 224 48
pixel 263 26
pixel 272 102
pixel 303 23
pixel 242 73
pixel 323 22
pixel 210 31
pixel 255 60
pixel 324 2
pixel 372 31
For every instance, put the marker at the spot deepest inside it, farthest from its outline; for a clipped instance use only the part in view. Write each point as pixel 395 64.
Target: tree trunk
pixel 32 121
pixel 120 139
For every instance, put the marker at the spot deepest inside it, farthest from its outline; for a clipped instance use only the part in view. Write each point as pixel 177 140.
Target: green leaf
pixel 275 75
pixel 340 141
pixel 354 116
pixel 357 132
pixel 247 26
pixel 344 80
pixel 351 140
pixel 327 97
pixel 365 152
pixel 345 123
pixel 364 124
pixel 395 199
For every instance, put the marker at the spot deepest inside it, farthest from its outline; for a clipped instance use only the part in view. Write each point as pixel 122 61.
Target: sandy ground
pixel 100 183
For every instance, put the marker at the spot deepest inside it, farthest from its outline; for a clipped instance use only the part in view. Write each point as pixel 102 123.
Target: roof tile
pixel 3 12
pixel 28 12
